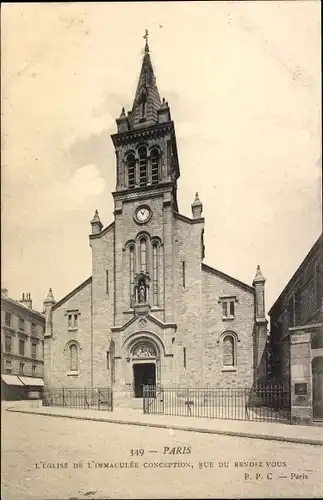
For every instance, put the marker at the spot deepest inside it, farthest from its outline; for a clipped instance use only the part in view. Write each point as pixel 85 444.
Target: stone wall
pixel 214 326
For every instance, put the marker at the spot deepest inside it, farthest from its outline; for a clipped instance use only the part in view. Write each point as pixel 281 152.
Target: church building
pixel 153 312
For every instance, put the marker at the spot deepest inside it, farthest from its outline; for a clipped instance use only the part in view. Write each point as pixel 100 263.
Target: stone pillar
pixel 260 341
pixel 48 304
pixel 301 378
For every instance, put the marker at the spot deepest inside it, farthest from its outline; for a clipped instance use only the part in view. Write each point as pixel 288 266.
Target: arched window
pixel 131 169
pixel 155 272
pixel 155 162
pixel 131 271
pixel 228 350
pixel 73 358
pixel 143 255
pixel 142 152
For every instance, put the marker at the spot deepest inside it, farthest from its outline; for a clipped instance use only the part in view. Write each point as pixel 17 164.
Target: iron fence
pixel 258 403
pixel 87 398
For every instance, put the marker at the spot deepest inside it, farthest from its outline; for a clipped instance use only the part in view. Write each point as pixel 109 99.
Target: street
pixel 60 458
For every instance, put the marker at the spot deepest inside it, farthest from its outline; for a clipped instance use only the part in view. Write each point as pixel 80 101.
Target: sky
pixel 243 81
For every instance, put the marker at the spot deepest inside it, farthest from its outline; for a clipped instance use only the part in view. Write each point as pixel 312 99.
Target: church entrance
pixel 143 374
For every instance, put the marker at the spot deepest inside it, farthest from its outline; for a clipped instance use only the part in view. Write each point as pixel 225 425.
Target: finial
pixel 50 298
pixel 96 217
pixel 197 196
pixel 146 38
pixel 123 112
pixel 259 278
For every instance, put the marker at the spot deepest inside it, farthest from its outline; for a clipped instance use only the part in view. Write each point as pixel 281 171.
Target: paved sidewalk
pixel 259 430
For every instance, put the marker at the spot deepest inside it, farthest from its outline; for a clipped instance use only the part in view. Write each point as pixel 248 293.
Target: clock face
pixel 142 214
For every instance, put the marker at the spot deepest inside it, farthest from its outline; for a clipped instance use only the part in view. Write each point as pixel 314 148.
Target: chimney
pixel 26 300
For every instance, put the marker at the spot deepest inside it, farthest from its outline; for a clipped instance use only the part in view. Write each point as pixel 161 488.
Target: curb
pixel 268 437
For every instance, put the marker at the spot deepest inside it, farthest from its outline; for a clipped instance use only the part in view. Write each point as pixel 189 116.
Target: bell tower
pixel 145 142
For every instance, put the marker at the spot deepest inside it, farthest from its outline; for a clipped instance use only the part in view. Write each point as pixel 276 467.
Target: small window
pixel 33 329
pixel 8 344
pixel 143 255
pixel 155 160
pixel 143 98
pixel 21 324
pixel 183 273
pixel 33 370
pixel 73 358
pixel 131 272
pixel 7 319
pixel 131 169
pixel 34 350
pixel 21 347
pixel 155 273
pixel 108 360
pixel 72 320
pixel 184 357
pixel 228 308
pixel 8 366
pixel 228 351
pixel 21 368
pixel 142 152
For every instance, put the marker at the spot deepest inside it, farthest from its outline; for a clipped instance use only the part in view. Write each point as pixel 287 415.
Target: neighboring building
pixel 22 347
pixel 296 336
pixel 152 312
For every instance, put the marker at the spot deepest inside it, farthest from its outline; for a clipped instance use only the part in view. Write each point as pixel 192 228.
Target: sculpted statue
pixel 142 293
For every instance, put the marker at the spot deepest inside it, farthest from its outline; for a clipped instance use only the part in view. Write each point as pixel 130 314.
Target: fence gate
pixel 258 403
pixel 95 399
pixel 153 399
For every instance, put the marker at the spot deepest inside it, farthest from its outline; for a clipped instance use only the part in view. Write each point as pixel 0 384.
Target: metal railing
pixel 86 398
pixel 258 403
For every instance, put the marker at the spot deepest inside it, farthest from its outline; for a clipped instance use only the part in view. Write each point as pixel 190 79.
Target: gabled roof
pixel 228 278
pixel 183 218
pixel 73 292
pixel 24 309
pixel 318 244
pixel 102 233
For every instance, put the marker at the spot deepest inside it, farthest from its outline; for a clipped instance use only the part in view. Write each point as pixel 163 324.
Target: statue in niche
pixel 142 288
pixel 142 293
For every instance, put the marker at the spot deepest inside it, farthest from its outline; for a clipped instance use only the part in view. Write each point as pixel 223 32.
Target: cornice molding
pixel 153 190
pixel 149 132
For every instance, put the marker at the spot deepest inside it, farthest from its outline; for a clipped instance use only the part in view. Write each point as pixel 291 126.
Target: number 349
pixel 137 452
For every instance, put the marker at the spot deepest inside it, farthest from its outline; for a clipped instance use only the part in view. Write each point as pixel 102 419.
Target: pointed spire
pixel 123 113
pixel 50 298
pixel 197 199
pixel 197 207
pixel 96 223
pixel 259 278
pixel 147 99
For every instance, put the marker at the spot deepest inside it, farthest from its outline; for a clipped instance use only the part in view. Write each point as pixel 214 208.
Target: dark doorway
pixel 143 374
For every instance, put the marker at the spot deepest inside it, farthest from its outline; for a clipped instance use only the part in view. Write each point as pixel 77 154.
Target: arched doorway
pixel 317 379
pixel 144 366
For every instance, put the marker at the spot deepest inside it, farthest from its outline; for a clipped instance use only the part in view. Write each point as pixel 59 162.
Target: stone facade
pixel 22 344
pixel 152 312
pixel 296 338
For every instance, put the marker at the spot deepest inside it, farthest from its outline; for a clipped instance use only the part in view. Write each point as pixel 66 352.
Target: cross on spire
pixel 146 38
